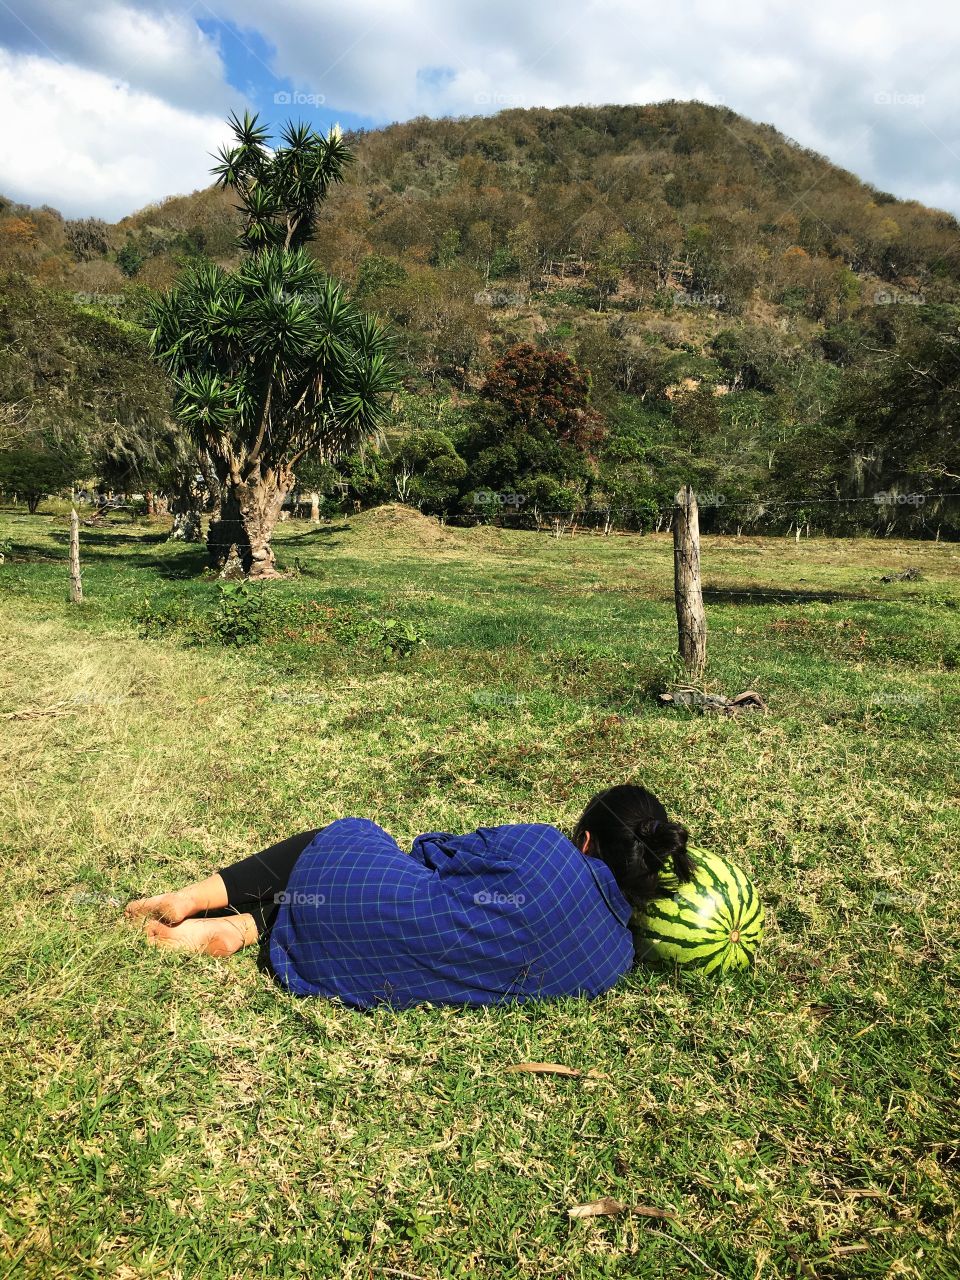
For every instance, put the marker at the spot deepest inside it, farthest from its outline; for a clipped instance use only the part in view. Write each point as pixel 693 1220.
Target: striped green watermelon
pixel 714 923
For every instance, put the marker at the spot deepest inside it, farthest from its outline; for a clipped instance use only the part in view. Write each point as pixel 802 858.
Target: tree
pixel 427 471
pixel 271 361
pixel 77 383
pixel 607 272
pixel 751 357
pixel 318 479
pixel 35 471
pixel 544 386
pixel 377 273
pixel 893 424
pixel 130 259
pixel 535 438
pixel 87 238
pixel 448 246
pixel 604 278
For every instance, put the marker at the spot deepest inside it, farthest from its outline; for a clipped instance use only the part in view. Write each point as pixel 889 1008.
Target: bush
pixel 389 637
pixel 156 619
pixel 243 614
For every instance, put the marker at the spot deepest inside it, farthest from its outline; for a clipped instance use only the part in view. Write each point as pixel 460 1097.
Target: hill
pixel 681 254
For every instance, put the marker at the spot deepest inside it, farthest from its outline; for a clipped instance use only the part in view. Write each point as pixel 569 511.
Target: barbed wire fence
pixel 936 513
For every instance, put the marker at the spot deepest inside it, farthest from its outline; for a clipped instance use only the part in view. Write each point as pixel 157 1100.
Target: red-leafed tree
pixel 546 389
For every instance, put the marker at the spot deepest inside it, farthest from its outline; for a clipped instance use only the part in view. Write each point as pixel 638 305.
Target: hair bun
pixel 662 846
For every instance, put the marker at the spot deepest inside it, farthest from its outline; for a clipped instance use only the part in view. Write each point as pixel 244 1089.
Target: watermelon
pixel 714 922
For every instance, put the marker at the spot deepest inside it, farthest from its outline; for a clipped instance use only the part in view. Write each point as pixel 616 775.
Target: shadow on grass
pixel 318 530
pixel 190 562
pixel 185 560
pixel 774 595
pixel 106 537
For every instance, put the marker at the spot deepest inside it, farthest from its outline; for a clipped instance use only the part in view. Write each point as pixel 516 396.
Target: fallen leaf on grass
pixel 857 1034
pixel 556 1069
pixel 608 1207
pixel 605 1208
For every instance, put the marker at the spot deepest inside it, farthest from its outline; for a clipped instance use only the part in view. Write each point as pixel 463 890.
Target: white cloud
pixel 869 83
pixel 86 144
pixel 152 47
pixel 166 53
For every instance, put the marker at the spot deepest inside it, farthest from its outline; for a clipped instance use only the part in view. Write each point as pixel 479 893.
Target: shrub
pixel 243 614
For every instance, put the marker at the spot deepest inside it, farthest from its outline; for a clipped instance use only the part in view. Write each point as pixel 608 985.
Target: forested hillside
pixel 735 309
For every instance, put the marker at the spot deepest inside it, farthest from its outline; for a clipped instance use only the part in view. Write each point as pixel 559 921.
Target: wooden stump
pixel 691 619
pixel 76 586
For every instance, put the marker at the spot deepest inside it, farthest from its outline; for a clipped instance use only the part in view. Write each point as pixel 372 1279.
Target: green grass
pixel 171 1116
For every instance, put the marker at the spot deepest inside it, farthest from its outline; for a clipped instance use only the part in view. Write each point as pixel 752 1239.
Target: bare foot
pixel 220 937
pixel 171 907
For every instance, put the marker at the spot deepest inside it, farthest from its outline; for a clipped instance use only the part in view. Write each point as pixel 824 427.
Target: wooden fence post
pixel 76 586
pixel 691 619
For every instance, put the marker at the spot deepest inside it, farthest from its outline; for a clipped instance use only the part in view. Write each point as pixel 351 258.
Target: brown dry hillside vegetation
pixel 730 294
pixel 615 202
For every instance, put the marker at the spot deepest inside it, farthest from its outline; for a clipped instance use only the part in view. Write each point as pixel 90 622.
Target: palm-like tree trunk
pixel 211 478
pixel 187 509
pixel 239 542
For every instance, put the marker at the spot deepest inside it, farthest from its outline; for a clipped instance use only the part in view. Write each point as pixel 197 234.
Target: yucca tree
pixel 272 361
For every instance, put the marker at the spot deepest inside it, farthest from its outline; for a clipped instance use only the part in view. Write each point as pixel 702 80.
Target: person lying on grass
pixel 504 913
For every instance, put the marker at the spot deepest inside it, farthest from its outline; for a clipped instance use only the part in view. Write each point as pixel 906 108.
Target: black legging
pixel 255 884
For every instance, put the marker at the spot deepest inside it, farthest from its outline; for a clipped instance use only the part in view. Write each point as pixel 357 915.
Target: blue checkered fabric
pixel 502 914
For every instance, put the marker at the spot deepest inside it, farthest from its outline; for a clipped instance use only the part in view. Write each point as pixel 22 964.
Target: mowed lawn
pixel 182 1116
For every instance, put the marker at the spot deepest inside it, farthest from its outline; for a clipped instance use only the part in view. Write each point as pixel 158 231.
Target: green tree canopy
pixel 35 471
pixel 272 361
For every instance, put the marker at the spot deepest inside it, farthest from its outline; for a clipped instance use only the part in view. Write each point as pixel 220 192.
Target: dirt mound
pixel 399 525
pixel 396 523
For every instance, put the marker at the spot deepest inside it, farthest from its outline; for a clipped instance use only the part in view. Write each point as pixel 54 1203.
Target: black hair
pixel 631 832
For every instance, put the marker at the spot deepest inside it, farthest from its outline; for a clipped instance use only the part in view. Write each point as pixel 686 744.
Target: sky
pixel 113 104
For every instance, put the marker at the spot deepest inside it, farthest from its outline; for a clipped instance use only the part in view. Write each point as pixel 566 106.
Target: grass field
pixel 182 1116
